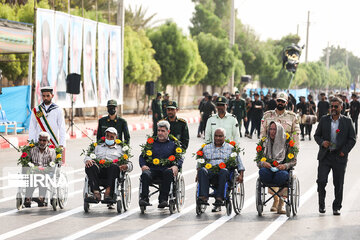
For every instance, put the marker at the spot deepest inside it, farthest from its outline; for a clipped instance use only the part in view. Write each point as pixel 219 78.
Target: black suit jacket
pixel 345 139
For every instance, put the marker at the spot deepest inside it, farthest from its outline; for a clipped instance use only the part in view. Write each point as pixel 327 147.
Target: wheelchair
pixel 121 195
pixel 176 193
pixel 56 195
pixel 234 195
pixel 292 200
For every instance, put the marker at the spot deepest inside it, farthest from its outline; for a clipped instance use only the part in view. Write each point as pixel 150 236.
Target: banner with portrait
pixel 44 70
pixel 116 79
pixel 61 43
pixel 103 64
pixel 76 30
pixel 89 54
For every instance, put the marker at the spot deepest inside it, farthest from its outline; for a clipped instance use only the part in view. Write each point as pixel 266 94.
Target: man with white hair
pixel 162 148
pixel 108 151
pixel 217 152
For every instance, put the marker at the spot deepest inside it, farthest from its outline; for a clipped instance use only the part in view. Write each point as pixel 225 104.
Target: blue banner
pixel 15 101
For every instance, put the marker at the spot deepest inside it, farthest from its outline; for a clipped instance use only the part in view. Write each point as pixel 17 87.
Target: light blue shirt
pixel 334 127
pixel 217 155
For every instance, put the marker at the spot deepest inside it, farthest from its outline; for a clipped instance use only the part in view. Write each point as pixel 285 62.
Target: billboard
pixel 103 64
pixel 116 81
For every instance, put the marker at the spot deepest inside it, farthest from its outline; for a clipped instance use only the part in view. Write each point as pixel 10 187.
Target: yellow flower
pixel 149 152
pixel 31 145
pixel 117 141
pixel 125 156
pixel 263 139
pixel 202 146
pixel 208 166
pixel 95 144
pixel 156 161
pixel 58 156
pixel 290 156
pixel 178 150
pixel 263 159
pixel 287 136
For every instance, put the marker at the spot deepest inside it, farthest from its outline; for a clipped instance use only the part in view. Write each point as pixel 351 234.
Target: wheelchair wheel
pixel 126 192
pixel 228 207
pixel 180 192
pixel 86 204
pixel 19 201
pixel 260 195
pixel 238 195
pixel 62 192
pixel 119 206
pixel 172 206
pixel 288 209
pixel 142 209
pixel 295 195
pixel 54 203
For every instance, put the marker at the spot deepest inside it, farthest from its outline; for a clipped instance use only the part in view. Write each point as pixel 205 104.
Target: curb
pixel 22 139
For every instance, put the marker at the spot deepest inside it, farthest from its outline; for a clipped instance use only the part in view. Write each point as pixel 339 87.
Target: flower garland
pixel 102 163
pixel 292 151
pixel 25 160
pixel 229 163
pixel 146 151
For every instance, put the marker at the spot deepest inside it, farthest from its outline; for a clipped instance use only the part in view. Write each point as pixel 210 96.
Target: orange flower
pixel 233 143
pixel 150 140
pixel 200 153
pixel 258 148
pixel 222 165
pixel 275 163
pixel 171 158
pixel 102 161
pixel 291 143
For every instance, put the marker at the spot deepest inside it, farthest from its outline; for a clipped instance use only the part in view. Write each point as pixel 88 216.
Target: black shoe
pixel 216 209
pixel 336 212
pixel 163 204
pixel 240 134
pixel 309 138
pixel 144 203
pixel 302 139
pixel 27 203
pixel 322 210
pixel 202 202
pixel 218 203
pixel 199 135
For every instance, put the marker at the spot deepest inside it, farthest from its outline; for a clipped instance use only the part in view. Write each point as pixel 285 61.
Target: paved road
pixel 101 223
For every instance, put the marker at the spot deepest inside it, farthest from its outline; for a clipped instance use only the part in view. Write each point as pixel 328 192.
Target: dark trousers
pixel 302 128
pixel 155 121
pixel 166 176
pixel 308 129
pixel 269 177
pixel 246 125
pixel 255 124
pixel 109 175
pixel 338 167
pixel 240 123
pixel 204 121
pixel 205 177
pixel 355 120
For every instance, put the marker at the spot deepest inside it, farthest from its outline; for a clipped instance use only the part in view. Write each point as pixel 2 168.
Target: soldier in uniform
pixel 237 107
pixel 112 120
pixel 290 123
pixel 178 126
pixel 164 104
pixel 156 110
pixel 222 119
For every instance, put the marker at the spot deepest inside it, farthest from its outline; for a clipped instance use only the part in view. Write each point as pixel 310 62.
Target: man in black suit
pixel 335 136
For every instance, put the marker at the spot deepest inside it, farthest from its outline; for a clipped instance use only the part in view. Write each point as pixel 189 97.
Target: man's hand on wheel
pixel 175 170
pixel 89 163
pixel 124 167
pixel 144 168
pixel 240 178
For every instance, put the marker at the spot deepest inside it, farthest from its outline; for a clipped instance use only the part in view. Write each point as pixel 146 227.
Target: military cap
pixel 47 89
pixel 172 104
pixel 322 94
pixel 221 101
pixel 112 102
pixel 282 96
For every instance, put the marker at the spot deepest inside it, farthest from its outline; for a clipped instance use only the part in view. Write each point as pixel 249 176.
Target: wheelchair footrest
pixel 108 201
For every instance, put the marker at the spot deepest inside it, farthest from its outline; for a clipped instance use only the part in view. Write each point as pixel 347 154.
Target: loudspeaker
pixel 150 88
pixel 73 83
pixel 245 78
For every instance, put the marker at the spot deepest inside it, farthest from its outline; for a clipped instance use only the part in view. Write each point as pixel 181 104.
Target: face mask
pixel 111 111
pixel 109 142
pixel 280 107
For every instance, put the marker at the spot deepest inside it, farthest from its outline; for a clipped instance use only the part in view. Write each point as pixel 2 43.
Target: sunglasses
pixel 335 106
pixel 280 101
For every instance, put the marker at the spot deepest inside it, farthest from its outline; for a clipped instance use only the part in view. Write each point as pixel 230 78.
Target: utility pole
pixel 121 22
pixel 307 37
pixel 232 41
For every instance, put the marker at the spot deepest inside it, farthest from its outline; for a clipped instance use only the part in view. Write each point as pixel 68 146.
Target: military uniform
pixel 237 107
pixel 164 104
pixel 156 109
pixel 228 122
pixel 118 123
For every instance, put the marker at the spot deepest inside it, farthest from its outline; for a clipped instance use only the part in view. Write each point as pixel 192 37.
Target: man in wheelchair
pixel 217 152
pixel 276 150
pixel 107 151
pixel 40 155
pixel 162 149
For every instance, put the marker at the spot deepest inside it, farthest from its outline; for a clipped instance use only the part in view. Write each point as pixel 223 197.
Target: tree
pixel 218 57
pixel 136 19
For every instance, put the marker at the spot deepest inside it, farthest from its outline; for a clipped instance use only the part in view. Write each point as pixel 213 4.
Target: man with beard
pixel 112 120
pixel 288 121
pixel 335 136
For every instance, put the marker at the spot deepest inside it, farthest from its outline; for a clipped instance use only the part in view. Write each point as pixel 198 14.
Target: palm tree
pixel 137 20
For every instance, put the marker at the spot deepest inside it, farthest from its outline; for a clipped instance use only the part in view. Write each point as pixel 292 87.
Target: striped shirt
pixel 39 158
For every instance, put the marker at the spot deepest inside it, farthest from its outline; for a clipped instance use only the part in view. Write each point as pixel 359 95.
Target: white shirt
pixel 228 122
pixel 57 123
